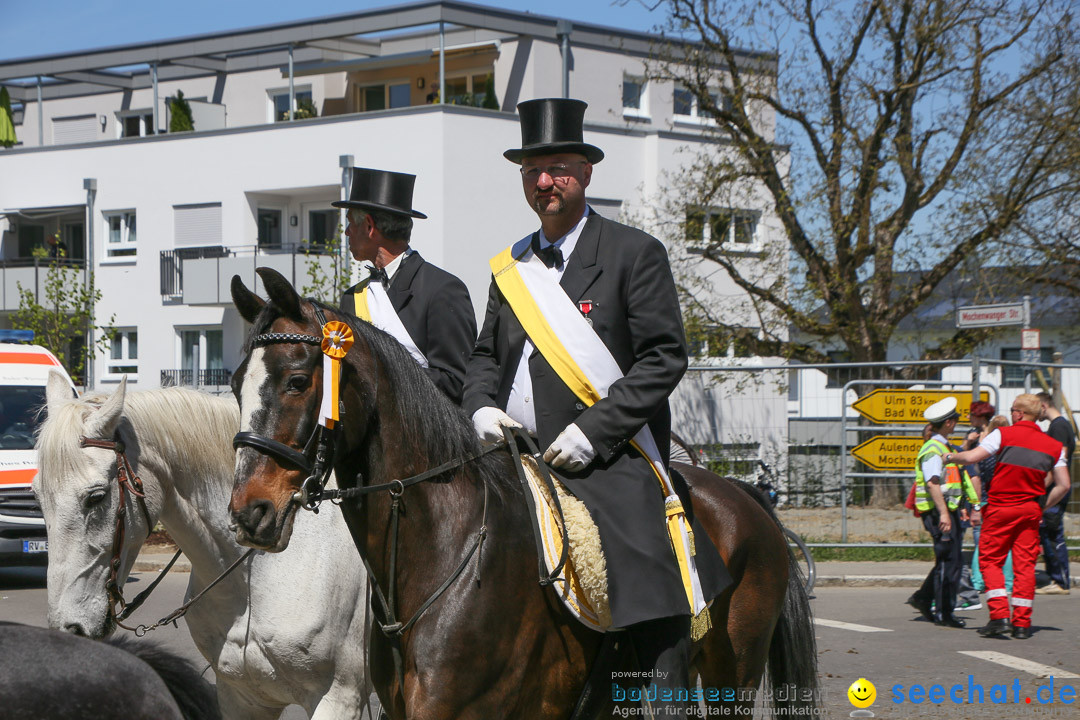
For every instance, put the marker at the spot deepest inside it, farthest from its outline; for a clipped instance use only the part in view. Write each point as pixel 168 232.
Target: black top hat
pixel 381 190
pixel 550 126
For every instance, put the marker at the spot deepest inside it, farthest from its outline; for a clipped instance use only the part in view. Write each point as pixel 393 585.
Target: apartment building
pixel 165 219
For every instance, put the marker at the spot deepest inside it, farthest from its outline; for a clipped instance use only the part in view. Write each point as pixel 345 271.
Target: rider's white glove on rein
pixel 571 450
pixel 489 422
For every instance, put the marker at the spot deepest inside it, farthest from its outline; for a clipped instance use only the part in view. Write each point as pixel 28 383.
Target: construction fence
pixel 839 441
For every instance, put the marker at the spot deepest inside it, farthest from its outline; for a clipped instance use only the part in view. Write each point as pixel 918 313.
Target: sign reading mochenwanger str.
pixel 891 452
pixel 905 407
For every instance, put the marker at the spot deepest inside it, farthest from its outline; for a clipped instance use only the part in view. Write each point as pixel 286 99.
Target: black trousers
pixel 663 647
pixel 943 581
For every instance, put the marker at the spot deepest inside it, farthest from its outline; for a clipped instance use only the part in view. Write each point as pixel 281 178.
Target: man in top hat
pixel 940 490
pixel 581 344
pixel 1015 505
pixel 425 308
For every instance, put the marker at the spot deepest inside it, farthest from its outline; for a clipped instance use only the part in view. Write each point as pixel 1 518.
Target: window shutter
pixel 83 128
pixel 197 225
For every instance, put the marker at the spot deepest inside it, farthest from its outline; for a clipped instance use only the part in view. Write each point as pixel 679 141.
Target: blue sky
pixel 46 27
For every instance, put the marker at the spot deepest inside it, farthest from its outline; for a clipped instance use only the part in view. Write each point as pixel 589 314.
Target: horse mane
pixel 176 422
pixel 431 423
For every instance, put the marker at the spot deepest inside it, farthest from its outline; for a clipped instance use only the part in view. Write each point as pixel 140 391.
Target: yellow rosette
pixel 337 339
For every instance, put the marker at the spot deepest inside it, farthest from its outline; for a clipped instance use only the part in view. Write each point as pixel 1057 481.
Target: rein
pixel 128 481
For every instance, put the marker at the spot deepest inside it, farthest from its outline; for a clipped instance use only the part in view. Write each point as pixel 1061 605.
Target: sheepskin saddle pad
pixel 582 583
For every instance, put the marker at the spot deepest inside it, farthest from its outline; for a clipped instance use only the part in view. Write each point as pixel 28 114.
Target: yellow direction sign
pixel 903 407
pixel 892 452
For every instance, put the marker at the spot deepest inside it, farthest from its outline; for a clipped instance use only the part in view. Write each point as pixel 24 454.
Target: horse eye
pixel 95 497
pixel 298 382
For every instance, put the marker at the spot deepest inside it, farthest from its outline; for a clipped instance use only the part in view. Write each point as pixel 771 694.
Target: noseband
pixel 321 439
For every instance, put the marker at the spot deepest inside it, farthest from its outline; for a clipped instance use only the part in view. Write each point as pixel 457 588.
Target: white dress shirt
pixel 520 405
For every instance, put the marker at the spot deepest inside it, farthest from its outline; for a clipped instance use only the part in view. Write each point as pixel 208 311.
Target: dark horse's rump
pixel 53 675
pixel 495 644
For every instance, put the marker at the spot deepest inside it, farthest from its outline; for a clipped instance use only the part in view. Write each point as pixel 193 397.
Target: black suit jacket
pixel 434 306
pixel 625 274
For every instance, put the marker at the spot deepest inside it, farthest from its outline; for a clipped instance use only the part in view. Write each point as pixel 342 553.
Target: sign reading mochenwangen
pixel 971 316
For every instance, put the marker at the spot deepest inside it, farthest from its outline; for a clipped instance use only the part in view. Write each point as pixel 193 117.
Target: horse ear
pixel 103 421
pixel 281 293
pixel 57 390
pixel 248 303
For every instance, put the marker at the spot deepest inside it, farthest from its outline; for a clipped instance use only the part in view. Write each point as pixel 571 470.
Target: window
pixel 400 95
pixel 685 105
pixel 840 376
pixel 120 234
pixel 633 97
pixel 138 123
pixel 1012 376
pixel 735 230
pixel 72 242
pixel 201 357
pixel 197 225
pixel 123 355
pixel 279 102
pixel 30 237
pixel 322 227
pixel 269 221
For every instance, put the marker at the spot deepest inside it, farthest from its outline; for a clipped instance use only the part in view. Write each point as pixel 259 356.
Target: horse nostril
pixel 258 519
pixel 75 629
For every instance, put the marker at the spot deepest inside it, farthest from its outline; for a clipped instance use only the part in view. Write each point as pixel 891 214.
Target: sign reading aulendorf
pixel 905 407
pixel 891 452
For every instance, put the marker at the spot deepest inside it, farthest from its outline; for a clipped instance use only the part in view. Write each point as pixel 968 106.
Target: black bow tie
pixel 550 255
pixel 378 274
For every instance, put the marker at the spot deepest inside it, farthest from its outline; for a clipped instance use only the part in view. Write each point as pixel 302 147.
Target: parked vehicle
pixel 24 369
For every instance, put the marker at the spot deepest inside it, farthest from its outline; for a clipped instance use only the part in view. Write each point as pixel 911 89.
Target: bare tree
pixel 910 136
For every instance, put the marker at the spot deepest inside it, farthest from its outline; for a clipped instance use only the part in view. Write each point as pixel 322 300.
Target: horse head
pixel 81 498
pixel 279 388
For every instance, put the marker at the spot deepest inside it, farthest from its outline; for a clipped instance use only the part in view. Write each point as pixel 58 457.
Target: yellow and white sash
pixel 373 304
pixel 584 363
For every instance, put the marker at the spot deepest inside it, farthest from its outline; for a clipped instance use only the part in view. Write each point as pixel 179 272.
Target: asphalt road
pixel 861 633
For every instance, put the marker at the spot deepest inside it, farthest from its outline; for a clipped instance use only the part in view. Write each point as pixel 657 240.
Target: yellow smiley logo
pixel 862 693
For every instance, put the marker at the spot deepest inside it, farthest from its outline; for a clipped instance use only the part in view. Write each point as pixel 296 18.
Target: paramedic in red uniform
pixel 1025 455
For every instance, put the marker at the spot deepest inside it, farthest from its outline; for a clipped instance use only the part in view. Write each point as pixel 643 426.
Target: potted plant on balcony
pixel 181 120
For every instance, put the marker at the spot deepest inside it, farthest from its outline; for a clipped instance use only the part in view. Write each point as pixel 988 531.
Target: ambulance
pixel 24 369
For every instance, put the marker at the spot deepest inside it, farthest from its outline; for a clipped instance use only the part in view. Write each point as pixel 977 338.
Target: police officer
pixel 939 490
pixel 1025 455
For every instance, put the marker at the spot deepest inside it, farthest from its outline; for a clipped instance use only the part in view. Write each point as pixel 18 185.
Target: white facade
pixel 211 188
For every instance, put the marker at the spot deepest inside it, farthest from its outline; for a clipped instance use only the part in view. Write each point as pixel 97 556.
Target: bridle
pixel 321 439
pixel 127 482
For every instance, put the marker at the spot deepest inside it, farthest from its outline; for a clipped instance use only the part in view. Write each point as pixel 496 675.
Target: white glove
pixel 571 450
pixel 489 422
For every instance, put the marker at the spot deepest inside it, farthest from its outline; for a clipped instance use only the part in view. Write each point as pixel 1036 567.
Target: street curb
pixel 157 563
pixel 869 580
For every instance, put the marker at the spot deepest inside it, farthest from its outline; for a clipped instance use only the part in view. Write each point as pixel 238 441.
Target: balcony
pixel 31 274
pixel 196 378
pixel 202 275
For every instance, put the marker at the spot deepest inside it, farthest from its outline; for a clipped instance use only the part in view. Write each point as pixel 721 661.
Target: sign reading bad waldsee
pixel 905 407
pixel 990 315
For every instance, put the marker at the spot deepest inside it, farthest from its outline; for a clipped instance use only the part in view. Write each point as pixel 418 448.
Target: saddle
pixel 562 521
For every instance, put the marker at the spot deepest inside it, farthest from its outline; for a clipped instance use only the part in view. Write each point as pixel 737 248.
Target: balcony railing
pixel 202 275
pixel 196 378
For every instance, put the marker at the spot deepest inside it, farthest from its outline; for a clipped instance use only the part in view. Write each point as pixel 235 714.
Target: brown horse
pixel 492 643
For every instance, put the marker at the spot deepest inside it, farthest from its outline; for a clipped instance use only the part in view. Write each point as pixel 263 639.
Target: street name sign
pixel 891 452
pixel 904 407
pixel 973 316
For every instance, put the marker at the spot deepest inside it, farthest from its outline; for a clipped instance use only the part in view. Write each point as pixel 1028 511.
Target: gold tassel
pixel 700 625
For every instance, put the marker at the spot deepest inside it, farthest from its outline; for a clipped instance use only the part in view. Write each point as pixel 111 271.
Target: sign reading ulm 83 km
pixel 905 407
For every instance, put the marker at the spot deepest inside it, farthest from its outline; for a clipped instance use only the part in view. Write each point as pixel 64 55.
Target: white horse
pixel 286 628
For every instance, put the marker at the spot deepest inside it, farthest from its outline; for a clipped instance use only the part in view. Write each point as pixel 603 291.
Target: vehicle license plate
pixel 35 546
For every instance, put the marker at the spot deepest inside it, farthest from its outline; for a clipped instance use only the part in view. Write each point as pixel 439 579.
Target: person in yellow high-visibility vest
pixel 940 492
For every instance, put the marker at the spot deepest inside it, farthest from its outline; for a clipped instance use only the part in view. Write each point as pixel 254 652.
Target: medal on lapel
pixel 586 307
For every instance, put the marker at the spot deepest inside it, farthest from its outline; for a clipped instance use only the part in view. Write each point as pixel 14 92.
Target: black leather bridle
pixel 320 444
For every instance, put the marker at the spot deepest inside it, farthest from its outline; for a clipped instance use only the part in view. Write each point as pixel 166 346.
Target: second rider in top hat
pixel 582 343
pixel 425 308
